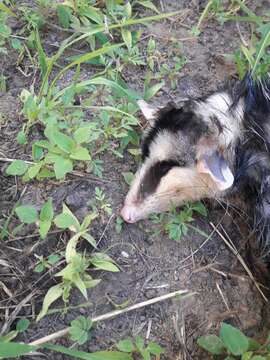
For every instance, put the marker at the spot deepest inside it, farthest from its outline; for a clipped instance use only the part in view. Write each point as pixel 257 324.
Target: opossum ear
pixel 216 166
pixel 149 112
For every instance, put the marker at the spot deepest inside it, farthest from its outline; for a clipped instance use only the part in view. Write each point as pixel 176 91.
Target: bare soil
pixel 150 266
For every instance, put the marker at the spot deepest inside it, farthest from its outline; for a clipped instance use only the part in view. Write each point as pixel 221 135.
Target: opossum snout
pixel 130 213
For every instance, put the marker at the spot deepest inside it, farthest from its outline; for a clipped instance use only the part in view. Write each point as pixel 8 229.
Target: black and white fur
pixel 206 148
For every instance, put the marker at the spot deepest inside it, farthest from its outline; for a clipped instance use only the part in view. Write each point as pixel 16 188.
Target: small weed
pixel 233 344
pixel 177 223
pixel 46 263
pixel 79 329
pixel 138 347
pixel 75 273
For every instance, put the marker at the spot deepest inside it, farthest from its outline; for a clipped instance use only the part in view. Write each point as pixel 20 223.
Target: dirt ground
pixel 150 266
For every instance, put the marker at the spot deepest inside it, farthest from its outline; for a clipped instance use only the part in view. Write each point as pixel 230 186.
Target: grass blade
pixel 101 28
pixel 41 55
pixel 265 42
pixel 99 355
pixel 86 57
pixel 7 10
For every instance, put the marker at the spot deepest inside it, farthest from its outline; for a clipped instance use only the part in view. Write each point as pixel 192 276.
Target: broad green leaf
pixel 126 35
pixel 259 357
pixel 247 356
pixel 154 348
pixel 145 354
pixel 45 174
pixel 53 259
pixel 64 221
pixel 71 247
pixel 64 15
pixel 30 108
pixel 27 214
pixel 234 340
pixel 63 141
pixel 128 176
pixel 16 44
pixel 79 329
pixel 139 343
pixel 125 346
pixel 90 239
pixel 21 138
pixel 13 350
pixel 44 227
pixel 66 210
pixel 79 283
pixel 87 220
pixel 151 92
pixel 99 355
pixel 34 170
pixel 17 167
pixel 46 212
pixel 52 295
pixel 104 262
pixel 82 135
pixel 37 152
pixel 128 9
pixel 22 325
pixel 68 95
pixel 80 153
pixel 62 167
pixel 211 343
pixel 148 4
pixel 200 208
pixel 92 13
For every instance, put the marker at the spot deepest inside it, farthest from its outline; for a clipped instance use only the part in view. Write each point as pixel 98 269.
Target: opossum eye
pixel 216 166
pixel 154 174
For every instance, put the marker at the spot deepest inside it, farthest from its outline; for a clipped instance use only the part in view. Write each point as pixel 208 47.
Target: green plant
pixel 254 58
pixel 75 272
pixel 28 215
pixel 176 224
pixel 138 346
pixel 46 263
pixel 100 203
pixel 233 344
pixel 5 30
pixel 79 329
pixel 21 326
pixel 10 350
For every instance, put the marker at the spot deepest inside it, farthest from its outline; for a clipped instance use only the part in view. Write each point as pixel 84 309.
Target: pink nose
pixel 129 213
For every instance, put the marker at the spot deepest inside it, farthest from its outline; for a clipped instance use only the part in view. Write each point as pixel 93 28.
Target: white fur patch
pixel 219 105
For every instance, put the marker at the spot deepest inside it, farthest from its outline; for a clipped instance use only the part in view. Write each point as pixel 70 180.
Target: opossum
pixel 207 147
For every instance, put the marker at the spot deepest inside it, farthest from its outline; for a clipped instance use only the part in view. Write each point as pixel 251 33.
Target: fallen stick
pixel 109 315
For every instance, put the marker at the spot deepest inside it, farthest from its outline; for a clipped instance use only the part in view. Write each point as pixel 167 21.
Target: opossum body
pixel 205 148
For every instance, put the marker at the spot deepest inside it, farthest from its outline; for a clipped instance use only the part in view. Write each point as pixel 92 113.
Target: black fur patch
pixel 172 119
pixel 153 176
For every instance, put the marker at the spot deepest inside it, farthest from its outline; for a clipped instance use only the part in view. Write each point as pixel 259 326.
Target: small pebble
pixel 125 254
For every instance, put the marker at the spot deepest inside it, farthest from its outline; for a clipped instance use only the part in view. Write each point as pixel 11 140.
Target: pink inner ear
pixel 218 169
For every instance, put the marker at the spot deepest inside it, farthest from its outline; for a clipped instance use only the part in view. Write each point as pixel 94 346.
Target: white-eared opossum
pixel 206 148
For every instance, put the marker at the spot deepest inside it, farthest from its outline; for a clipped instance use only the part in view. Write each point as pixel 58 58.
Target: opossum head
pixel 184 158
